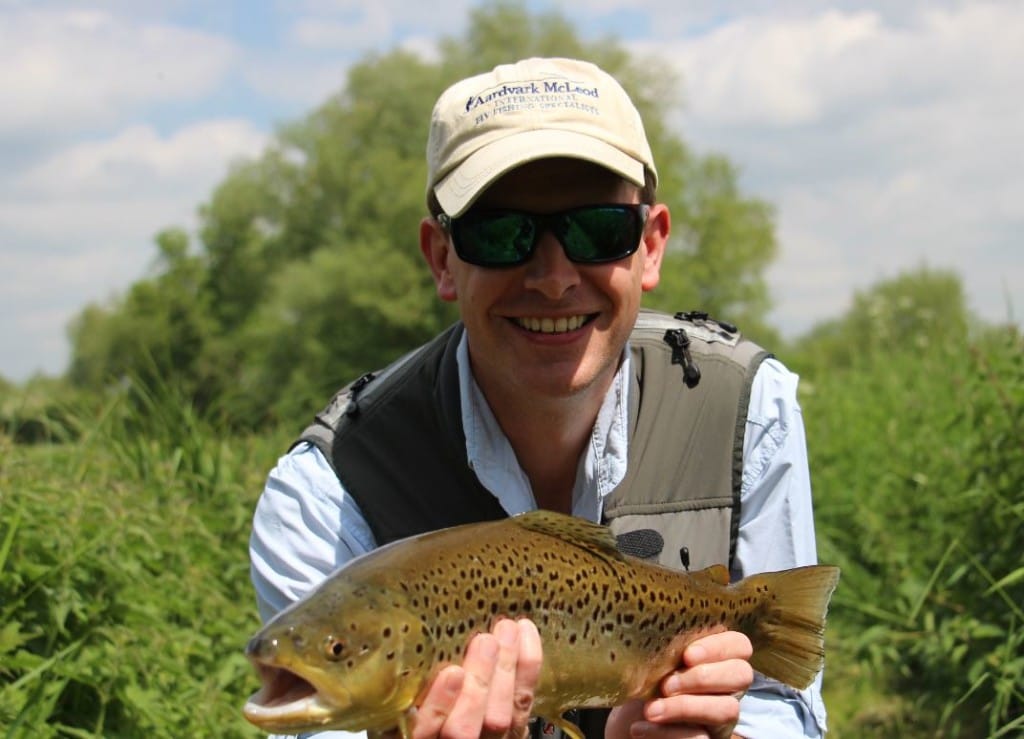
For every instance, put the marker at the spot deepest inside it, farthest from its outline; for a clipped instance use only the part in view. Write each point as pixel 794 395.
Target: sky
pixel 888 136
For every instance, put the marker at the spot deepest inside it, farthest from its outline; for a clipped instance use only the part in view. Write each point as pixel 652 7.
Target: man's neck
pixel 549 437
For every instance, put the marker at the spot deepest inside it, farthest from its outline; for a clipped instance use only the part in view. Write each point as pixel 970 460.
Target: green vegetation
pixel 125 599
pixel 124 590
pixel 308 268
pixel 915 419
pixel 127 487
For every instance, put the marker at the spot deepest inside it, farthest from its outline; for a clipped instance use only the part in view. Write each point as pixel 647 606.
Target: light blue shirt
pixel 305 526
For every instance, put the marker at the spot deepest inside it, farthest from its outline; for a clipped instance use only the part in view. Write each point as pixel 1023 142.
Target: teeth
pixel 552 325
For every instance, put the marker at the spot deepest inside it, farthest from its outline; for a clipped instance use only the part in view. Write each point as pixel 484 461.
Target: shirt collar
pixel 490 455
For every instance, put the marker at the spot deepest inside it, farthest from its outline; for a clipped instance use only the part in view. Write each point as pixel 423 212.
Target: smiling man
pixel 556 391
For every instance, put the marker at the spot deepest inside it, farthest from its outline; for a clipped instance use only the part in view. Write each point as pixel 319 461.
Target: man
pixel 548 394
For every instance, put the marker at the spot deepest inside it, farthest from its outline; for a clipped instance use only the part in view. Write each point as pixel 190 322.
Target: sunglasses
pixel 592 234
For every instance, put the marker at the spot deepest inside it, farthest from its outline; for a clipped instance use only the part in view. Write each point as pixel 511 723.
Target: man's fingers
pixel 467 716
pixel 515 677
pixel 438 703
pixel 729 677
pixel 706 692
pixel 498 716
pixel 718 647
pixel 700 710
pixel 531 657
pixel 491 694
pixel 714 664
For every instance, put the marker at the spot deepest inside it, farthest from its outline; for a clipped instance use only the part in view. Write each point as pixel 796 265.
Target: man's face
pixel 550 327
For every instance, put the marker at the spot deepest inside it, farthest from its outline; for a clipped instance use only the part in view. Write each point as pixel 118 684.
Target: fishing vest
pixel 395 440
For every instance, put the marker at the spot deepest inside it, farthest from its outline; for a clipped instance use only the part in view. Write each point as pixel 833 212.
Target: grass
pixel 918 469
pixel 125 599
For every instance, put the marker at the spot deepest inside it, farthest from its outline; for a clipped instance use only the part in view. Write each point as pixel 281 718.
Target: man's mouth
pixel 547 325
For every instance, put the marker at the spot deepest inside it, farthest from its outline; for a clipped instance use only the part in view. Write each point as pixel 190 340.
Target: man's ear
pixel 437 250
pixel 659 223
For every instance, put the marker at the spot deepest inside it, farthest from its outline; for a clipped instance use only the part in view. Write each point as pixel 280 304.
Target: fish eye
pixel 334 647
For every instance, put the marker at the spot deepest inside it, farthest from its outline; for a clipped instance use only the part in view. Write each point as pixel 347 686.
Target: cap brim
pixel 457 190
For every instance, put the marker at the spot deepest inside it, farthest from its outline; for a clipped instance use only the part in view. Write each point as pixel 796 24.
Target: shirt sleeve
pixel 304 528
pixel 776 532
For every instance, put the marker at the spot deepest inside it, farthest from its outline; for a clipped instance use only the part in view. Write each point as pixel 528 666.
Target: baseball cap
pixel 489 124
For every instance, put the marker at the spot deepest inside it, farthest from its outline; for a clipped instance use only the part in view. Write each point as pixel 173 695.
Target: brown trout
pixel 359 651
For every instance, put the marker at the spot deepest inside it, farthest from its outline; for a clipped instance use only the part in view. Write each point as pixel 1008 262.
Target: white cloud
pixel 81 223
pixel 300 82
pixel 887 134
pixel 139 159
pixel 359 27
pixel 885 144
pixel 783 71
pixel 766 70
pixel 63 70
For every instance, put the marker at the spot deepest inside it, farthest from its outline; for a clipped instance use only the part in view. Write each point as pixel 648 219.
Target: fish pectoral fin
pixel 402 730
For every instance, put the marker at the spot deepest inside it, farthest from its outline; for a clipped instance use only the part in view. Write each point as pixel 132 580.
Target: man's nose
pixel 549 270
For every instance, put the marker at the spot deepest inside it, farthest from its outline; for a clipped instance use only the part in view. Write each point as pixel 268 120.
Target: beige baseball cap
pixel 486 125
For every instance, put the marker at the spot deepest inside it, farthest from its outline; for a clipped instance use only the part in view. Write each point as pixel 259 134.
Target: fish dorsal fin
pixel 576 531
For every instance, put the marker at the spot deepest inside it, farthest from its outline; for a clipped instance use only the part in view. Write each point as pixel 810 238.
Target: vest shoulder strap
pixel 396 444
pixel 686 441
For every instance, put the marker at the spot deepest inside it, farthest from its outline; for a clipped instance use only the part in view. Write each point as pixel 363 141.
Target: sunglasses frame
pixel 545 223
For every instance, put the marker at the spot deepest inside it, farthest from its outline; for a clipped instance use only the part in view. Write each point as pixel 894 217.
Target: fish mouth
pixel 287 701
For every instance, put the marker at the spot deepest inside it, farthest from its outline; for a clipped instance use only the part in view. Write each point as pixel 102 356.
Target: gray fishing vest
pixel 395 440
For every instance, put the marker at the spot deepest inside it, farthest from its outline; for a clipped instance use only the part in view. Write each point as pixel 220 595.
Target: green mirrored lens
pixel 599 234
pixel 590 235
pixel 495 239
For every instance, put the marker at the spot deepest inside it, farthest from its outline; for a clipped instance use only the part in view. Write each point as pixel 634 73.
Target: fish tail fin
pixel 788 634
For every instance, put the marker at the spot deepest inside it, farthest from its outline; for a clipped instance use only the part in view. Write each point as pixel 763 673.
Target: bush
pixel 919 471
pixel 125 600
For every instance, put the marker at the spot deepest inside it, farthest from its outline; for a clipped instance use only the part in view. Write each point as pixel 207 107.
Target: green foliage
pixel 308 271
pixel 321 313
pixel 721 246
pixel 124 591
pixel 159 329
pixel 919 309
pixel 914 429
pixel 41 410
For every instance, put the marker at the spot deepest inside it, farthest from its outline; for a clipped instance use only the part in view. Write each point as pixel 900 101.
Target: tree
pixel 914 311
pixel 309 272
pixel 158 330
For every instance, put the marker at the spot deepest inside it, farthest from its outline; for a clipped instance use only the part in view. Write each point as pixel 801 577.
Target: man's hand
pixel 699 701
pixel 491 693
